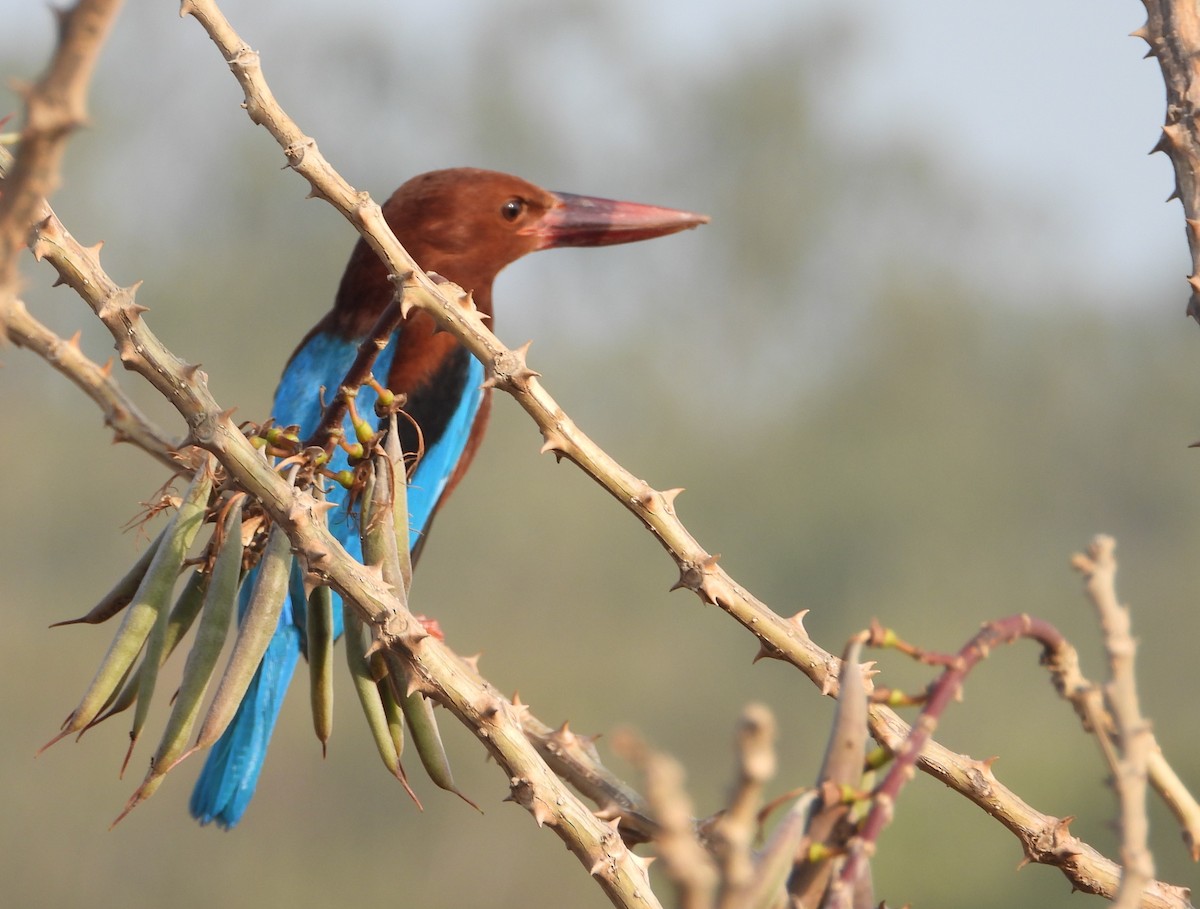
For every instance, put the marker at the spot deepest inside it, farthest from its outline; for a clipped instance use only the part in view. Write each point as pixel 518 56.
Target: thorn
pixel 598 866
pixel 608 811
pixel 73 341
pixel 321 506
pixel 555 442
pixel 830 678
pixel 317 557
pixel 642 861
pixel 414 685
pixel 541 813
pixel 522 354
pixel 473 661
pixel 490 710
pixel 376 646
pixel 375 572
pixel 765 652
pixel 694 575
pixel 669 497
pixel 564 734
pixel 586 741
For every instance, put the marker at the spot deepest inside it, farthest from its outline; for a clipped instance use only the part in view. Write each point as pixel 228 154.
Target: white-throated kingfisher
pixel 465 224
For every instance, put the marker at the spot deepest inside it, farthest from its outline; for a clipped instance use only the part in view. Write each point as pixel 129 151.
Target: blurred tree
pixel 863 431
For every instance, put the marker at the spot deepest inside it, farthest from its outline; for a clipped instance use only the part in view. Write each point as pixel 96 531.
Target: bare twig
pixel 685 861
pixel 1088 699
pixel 1099 568
pixel 732 833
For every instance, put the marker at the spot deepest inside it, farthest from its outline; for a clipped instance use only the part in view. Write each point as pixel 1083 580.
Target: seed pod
pixel 319 630
pixel 149 602
pixel 423 730
pixel 215 618
pixel 380 547
pixel 395 716
pixel 183 613
pixel 368 692
pixel 257 625
pixel 399 489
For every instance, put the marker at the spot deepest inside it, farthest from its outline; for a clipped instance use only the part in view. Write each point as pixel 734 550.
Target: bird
pixel 464 224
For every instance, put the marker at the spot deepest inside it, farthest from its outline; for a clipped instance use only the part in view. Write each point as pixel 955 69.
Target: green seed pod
pixel 215 616
pixel 184 612
pixel 368 692
pixel 379 528
pixel 320 661
pixel 254 634
pixel 380 547
pixel 123 591
pixel 395 716
pixel 149 603
pixel 399 477
pixel 423 730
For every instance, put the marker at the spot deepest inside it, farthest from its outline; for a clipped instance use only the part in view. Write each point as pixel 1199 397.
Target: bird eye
pixel 511 210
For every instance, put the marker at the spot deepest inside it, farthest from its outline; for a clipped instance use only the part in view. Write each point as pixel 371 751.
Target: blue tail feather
pixel 226 784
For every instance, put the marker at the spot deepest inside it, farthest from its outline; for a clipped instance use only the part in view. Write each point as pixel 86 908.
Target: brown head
pixel 466 224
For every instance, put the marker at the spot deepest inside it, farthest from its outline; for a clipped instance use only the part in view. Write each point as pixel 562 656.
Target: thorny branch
pixel 1172 30
pixel 1135 742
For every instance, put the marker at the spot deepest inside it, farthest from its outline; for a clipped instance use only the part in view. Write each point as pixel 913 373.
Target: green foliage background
pixel 885 397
